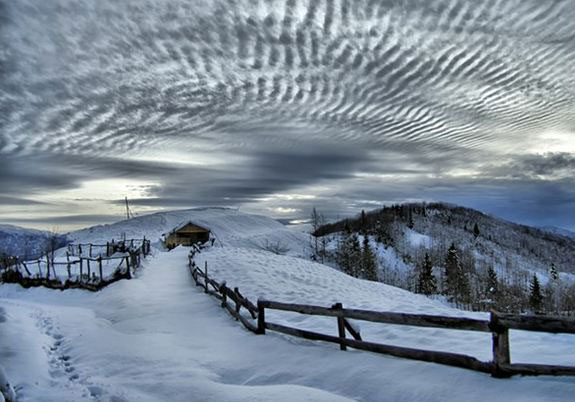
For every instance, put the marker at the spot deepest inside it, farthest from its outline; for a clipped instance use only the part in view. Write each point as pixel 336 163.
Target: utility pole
pixel 127 209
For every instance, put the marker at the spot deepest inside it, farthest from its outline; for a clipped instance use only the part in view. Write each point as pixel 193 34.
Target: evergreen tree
pixel 368 261
pixel 492 283
pixel 456 281
pixel 348 253
pixel 553 272
pixel 476 231
pixel 426 281
pixel 355 255
pixel 452 268
pixel 535 298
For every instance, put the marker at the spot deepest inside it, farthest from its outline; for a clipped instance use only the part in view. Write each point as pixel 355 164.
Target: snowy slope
pixel 559 231
pixel 160 338
pixel 230 227
pixel 22 242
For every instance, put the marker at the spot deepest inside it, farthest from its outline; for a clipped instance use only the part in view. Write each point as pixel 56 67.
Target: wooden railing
pixel 110 248
pixel 42 272
pixel 498 325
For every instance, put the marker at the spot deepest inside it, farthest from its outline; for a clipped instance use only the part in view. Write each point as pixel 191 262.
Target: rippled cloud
pixel 343 104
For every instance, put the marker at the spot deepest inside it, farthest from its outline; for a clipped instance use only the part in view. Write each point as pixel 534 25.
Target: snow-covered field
pixel 160 338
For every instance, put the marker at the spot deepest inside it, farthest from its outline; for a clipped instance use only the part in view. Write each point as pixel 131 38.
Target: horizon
pixel 275 107
pixel 54 227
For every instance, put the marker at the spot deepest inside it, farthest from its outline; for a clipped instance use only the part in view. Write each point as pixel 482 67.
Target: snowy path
pixel 159 338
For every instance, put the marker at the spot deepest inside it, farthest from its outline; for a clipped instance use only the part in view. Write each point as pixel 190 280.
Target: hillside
pixel 228 226
pixel 401 235
pixel 27 243
pixel 160 338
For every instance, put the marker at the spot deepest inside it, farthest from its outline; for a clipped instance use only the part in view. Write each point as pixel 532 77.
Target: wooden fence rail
pixel 498 325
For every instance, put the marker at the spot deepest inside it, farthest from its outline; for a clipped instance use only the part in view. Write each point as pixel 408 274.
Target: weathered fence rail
pixel 90 275
pixel 498 325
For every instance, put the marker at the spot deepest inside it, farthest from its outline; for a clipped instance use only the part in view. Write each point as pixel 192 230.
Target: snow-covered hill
pixel 160 338
pixel 230 228
pixel 26 243
pixel 559 231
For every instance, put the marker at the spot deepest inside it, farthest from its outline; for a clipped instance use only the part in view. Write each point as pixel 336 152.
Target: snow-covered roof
pixel 183 225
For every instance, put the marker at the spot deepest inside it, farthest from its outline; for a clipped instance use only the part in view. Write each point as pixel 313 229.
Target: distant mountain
pixel 26 243
pixel 558 231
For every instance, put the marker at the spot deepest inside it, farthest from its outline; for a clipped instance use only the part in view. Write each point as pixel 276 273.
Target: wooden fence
pixel 498 325
pixel 42 272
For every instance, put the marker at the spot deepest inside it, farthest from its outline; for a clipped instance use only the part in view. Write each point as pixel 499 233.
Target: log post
pixel 90 250
pixel 501 354
pixel 100 268
pixel 68 265
pixel 206 277
pixel 81 268
pixel 340 326
pixel 223 291
pixel 79 249
pixel 238 304
pixel 261 318
pixel 89 271
pixel 47 267
pixel 39 269
pixel 128 263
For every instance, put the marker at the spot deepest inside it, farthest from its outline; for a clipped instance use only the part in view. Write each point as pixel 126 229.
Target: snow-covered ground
pixel 160 338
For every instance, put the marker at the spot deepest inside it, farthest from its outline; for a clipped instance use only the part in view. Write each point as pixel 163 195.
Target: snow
pixel 417 239
pixel 228 226
pixel 160 338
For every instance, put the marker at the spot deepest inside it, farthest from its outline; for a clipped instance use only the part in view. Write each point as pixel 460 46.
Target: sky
pixel 277 106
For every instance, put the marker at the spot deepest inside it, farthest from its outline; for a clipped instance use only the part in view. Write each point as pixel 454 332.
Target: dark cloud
pixel 232 103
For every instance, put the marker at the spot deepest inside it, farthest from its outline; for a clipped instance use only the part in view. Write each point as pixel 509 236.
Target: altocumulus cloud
pixel 281 105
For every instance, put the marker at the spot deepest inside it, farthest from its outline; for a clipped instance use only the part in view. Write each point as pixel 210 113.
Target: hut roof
pixel 197 228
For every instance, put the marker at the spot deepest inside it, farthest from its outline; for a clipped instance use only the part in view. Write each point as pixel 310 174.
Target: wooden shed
pixel 186 235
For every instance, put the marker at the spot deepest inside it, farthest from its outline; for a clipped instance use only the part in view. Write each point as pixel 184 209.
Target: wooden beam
pixel 538 369
pixel 450 359
pixel 537 323
pixel 418 320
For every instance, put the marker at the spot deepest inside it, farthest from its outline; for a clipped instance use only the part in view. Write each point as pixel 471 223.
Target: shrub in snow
pixel 6 391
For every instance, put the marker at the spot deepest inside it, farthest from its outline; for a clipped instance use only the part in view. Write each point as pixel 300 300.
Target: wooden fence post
pixel 501 354
pixel 81 268
pixel 68 265
pixel 89 271
pixel 206 277
pixel 100 268
pixel 90 250
pixel 261 318
pixel 47 267
pixel 340 326
pixel 223 291
pixel 238 304
pixel 39 269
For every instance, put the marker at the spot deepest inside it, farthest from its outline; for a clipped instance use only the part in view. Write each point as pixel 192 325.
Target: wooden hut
pixel 186 235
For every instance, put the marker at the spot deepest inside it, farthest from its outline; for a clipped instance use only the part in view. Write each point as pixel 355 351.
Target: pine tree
pixel 369 264
pixel 348 253
pixel 426 281
pixel 456 281
pixel 535 298
pixel 492 282
pixel 452 268
pixel 476 231
pixel 553 272
pixel 355 255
